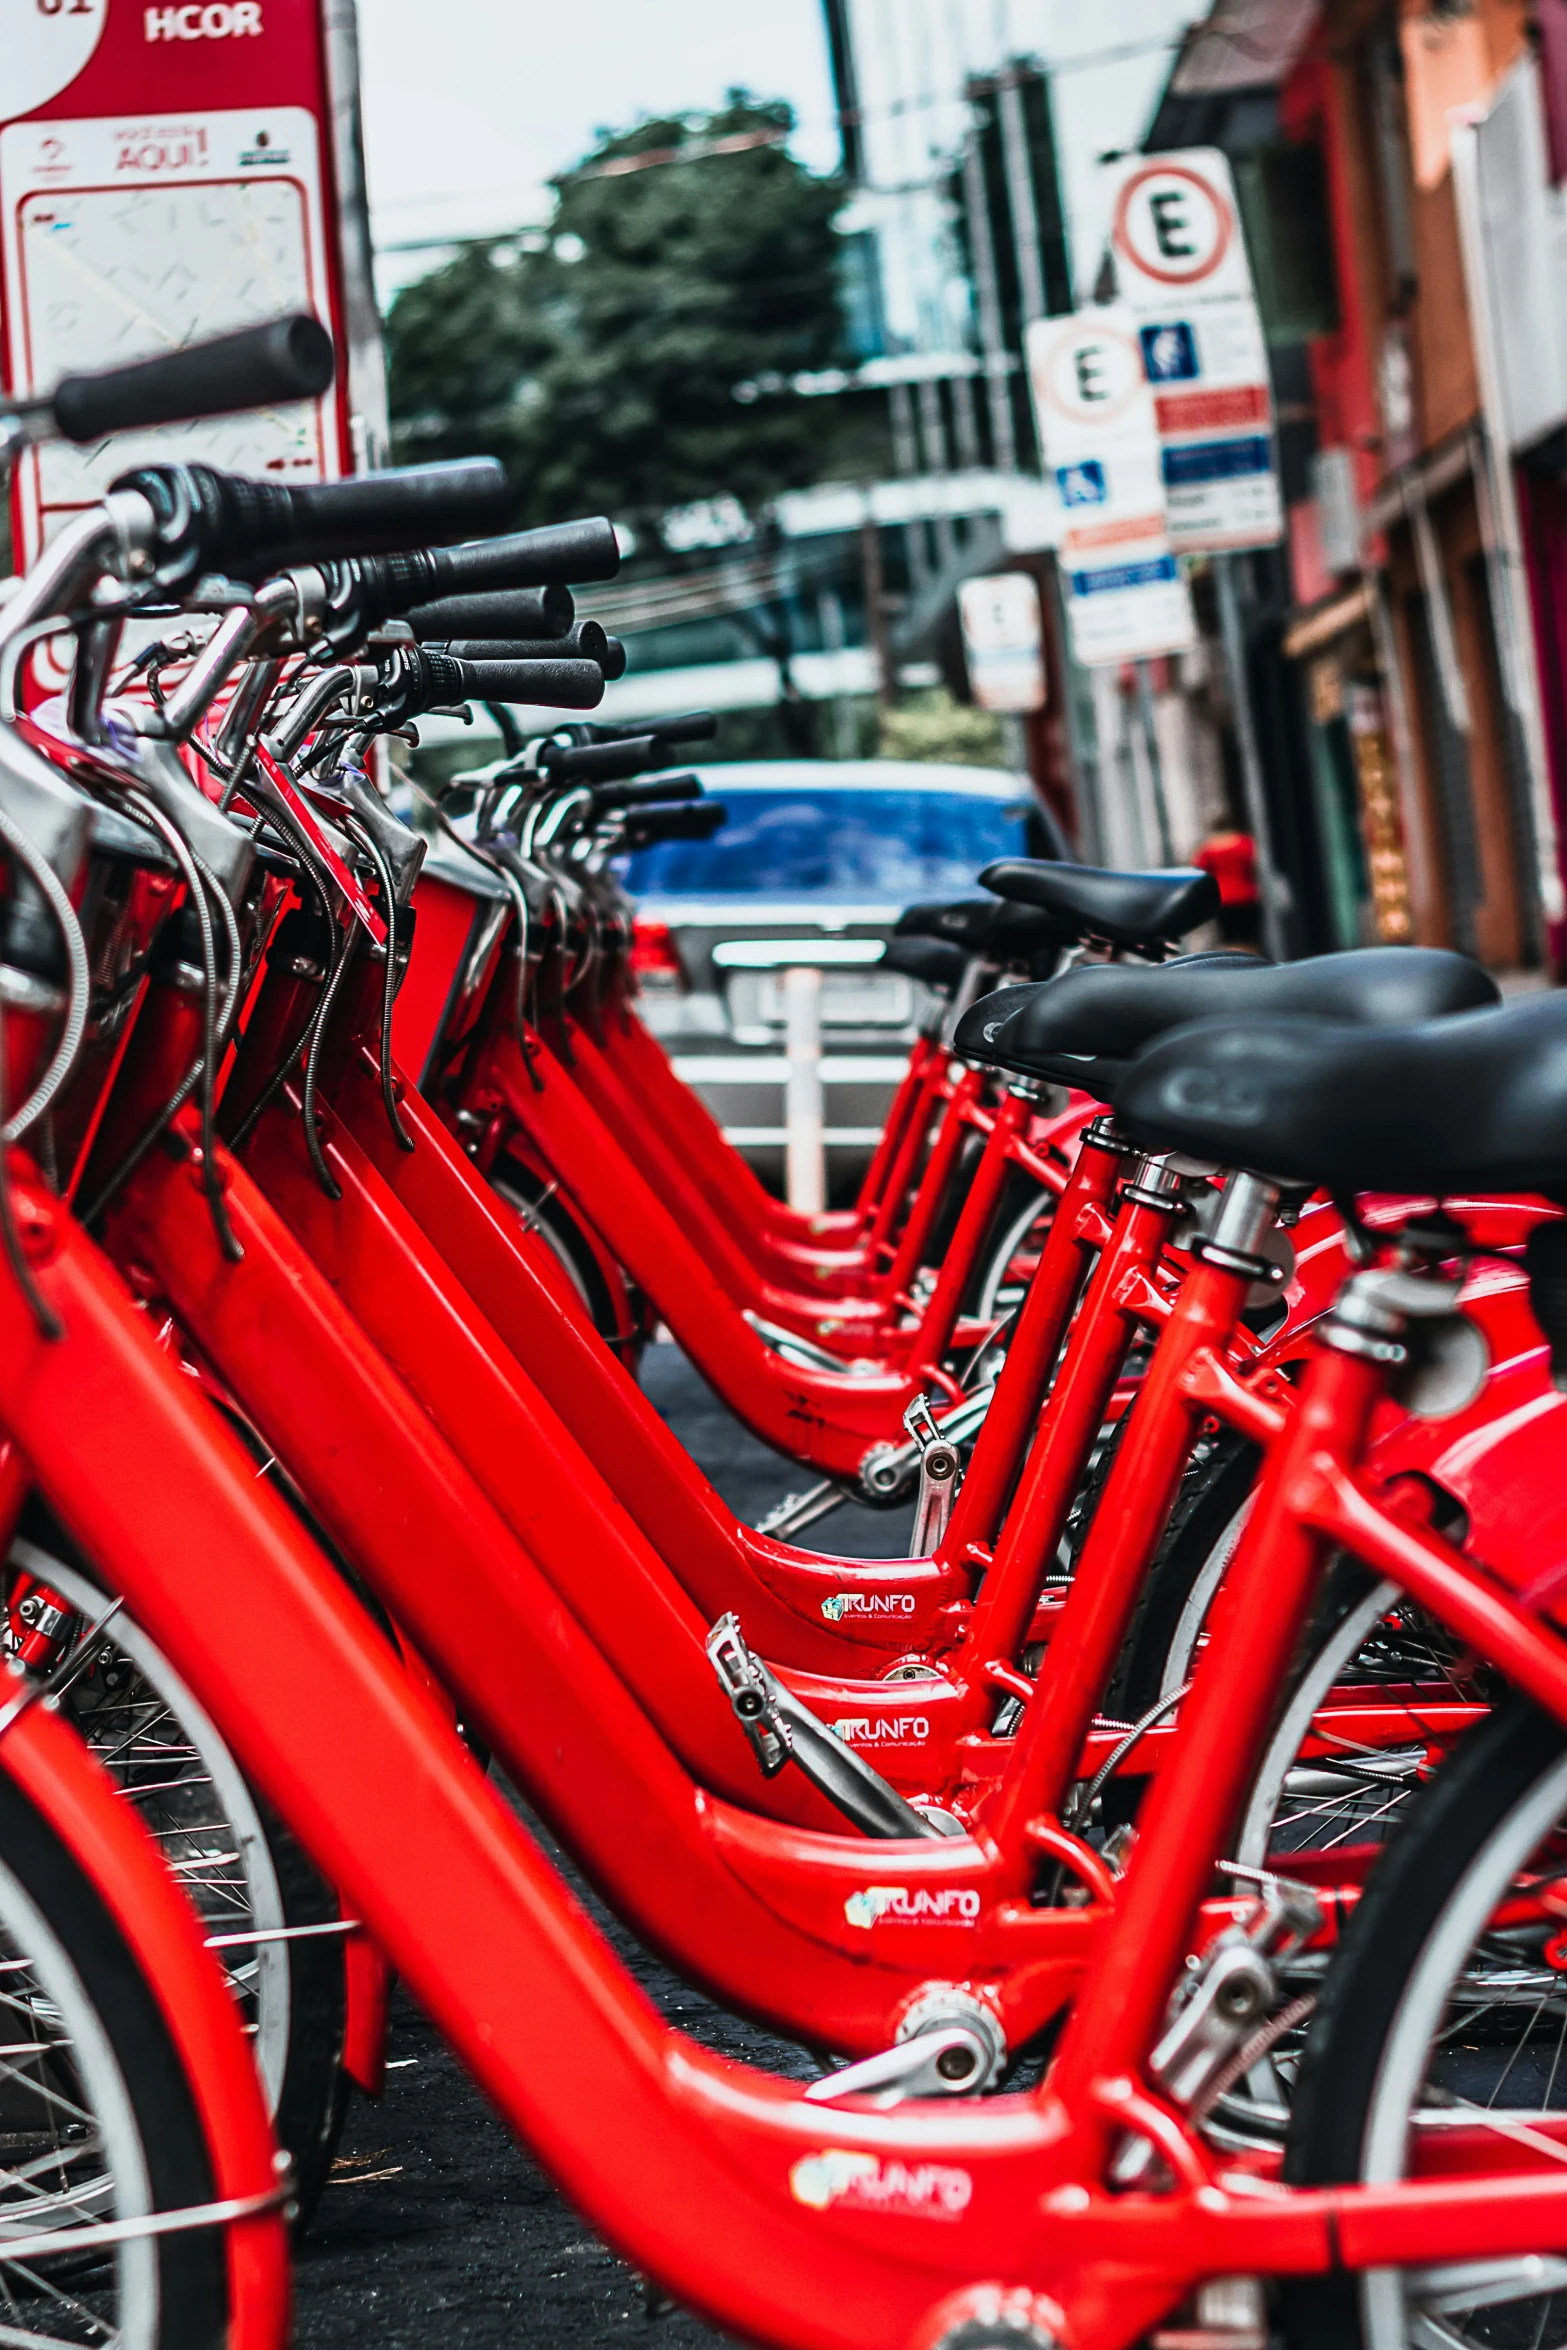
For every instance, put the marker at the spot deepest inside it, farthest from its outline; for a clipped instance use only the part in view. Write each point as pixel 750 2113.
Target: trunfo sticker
pixel 835 2179
pixel 867 1603
pixel 951 1903
pixel 881 1729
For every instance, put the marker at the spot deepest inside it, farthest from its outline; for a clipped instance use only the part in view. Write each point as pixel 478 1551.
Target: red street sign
pixel 165 174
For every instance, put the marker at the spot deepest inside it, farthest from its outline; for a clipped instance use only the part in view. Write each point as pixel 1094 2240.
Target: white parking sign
pixel 1125 595
pixel 1182 270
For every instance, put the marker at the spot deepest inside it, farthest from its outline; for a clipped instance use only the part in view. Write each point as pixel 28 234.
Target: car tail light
pixel 655 960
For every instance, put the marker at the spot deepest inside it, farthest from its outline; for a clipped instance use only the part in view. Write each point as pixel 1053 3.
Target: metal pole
pixel 1161 806
pixel 1020 194
pixel 998 397
pixel 875 601
pixel 1510 586
pixel 1270 881
pixel 368 425
pixel 831 612
pixel 805 1145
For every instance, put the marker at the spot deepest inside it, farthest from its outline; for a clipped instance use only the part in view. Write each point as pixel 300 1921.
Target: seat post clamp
pixel 1154 1184
pixel 1239 1260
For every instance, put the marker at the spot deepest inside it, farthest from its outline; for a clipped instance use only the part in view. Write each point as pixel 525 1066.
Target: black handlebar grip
pixel 518 613
pixel 259 367
pixel 598 762
pixel 550 684
pixel 210 521
pixel 647 826
pixel 585 642
pixel 411 506
pixel 566 553
pixel 650 793
pixel 613 663
pixel 683 726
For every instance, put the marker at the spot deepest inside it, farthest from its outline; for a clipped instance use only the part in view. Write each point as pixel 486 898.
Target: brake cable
pixel 377 855
pixel 202 886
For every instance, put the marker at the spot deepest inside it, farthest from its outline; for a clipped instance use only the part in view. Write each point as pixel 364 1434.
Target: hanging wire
pixel 282 818
pixel 203 888
pixel 52 890
pixel 373 849
pixel 324 1175
pixel 512 884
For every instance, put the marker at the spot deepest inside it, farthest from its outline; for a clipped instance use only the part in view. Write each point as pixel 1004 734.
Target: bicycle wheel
pixel 615 1307
pixel 96 2122
pixel 1011 1251
pixel 255 1890
pixel 1443 2005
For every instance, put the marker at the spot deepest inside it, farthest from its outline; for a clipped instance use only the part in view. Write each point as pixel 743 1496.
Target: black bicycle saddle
pixel 983 926
pixel 934 960
pixel 1085 1028
pixel 1128 909
pixel 1477 1100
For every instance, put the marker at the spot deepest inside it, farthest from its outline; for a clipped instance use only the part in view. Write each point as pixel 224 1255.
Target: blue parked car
pixel 813 849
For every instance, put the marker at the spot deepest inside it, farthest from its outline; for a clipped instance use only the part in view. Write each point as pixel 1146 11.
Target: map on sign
pixel 124 239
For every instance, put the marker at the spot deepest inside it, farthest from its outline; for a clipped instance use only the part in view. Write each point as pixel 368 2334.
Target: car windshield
pixel 849 843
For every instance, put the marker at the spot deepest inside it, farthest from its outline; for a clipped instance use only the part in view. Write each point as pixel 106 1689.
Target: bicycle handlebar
pixel 557 685
pixel 287 359
pixel 606 797
pixel 210 521
pixel 598 762
pixel 563 553
pixel 518 613
pixel 424 678
pixel 683 726
pixel 491 578
pixel 645 827
pixel 585 642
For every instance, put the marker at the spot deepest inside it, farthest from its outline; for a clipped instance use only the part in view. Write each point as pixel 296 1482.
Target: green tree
pixel 602 365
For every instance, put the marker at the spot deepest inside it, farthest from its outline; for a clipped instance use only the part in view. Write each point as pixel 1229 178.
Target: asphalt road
pixel 435 2226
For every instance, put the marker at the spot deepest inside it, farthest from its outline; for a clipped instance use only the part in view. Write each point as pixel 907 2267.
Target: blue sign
pixel 1160 569
pixel 1199 461
pixel 1169 353
pixel 1082 484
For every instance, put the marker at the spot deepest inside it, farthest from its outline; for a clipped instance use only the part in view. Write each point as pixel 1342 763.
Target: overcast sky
pixel 469 108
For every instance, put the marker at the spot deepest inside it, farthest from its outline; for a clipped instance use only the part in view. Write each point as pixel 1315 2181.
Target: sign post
pixel 166 173
pixel 1182 271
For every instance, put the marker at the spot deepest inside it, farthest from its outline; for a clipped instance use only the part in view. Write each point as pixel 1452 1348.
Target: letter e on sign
pixel 47 43
pixel 1172 225
pixel 1093 373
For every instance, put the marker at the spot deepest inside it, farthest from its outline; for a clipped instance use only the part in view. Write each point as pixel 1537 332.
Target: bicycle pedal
pixel 950 2045
pixel 781 1728
pixel 940 1462
pixel 752 1694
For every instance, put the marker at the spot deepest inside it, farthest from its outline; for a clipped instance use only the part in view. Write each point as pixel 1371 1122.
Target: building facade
pixel 1404 177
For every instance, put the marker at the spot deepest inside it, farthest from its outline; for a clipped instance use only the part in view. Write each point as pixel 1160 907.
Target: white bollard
pixel 805 1148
